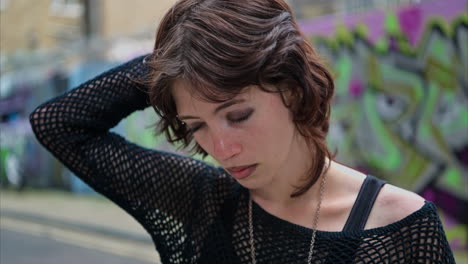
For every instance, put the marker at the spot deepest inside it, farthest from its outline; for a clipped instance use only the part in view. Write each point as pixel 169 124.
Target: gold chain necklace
pixel 314 227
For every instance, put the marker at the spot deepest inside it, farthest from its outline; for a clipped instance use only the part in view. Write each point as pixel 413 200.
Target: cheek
pixel 204 142
pixel 271 134
pixel 277 119
pixel 232 138
pixel 276 130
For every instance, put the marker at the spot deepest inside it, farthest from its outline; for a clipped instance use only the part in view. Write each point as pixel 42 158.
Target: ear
pixel 287 92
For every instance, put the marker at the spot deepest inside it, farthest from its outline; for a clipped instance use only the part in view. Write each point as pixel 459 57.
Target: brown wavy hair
pixel 223 46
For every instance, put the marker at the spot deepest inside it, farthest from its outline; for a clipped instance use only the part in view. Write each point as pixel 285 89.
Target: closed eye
pixel 194 127
pixel 238 117
pixel 233 117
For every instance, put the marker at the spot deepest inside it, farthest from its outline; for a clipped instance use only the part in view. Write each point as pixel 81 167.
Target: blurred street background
pixel 400 112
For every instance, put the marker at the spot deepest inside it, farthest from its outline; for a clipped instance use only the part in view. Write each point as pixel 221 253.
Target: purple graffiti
pixel 451 205
pixel 356 88
pixel 412 20
pixel 410 23
pixel 462 155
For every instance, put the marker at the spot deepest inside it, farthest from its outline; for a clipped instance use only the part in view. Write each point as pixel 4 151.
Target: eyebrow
pixel 219 108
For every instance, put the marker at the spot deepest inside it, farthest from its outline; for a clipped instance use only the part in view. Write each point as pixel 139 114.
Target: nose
pixel 224 147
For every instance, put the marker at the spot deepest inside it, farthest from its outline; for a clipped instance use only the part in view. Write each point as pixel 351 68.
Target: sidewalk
pixel 95 216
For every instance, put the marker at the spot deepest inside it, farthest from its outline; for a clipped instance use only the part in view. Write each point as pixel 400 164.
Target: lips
pixel 242 171
pixel 235 169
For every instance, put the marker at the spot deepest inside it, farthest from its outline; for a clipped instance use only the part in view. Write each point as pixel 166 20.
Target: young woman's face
pixel 251 136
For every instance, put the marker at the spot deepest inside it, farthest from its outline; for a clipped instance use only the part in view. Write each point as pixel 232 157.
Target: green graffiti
pixel 392 24
pixel 344 66
pixel 390 152
pixel 401 113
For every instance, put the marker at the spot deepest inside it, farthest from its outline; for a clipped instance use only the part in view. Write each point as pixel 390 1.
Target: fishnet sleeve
pixel 152 186
pixel 427 240
pixel 419 238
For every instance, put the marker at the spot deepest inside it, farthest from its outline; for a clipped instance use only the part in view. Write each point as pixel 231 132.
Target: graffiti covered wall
pixel 401 106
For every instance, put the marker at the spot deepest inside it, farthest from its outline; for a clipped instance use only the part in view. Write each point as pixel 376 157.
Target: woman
pixel 236 80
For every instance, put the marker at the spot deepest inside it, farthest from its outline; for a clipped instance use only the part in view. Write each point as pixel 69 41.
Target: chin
pixel 249 186
pixel 253 183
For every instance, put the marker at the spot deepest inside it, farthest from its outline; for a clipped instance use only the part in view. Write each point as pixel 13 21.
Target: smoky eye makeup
pixel 239 116
pixel 234 117
pixel 194 127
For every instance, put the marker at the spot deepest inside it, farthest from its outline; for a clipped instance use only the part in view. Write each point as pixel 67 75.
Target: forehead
pixel 182 92
pixel 186 97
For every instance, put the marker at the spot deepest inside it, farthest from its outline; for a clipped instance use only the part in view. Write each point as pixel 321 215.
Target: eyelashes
pixel 241 117
pixel 235 118
pixel 194 129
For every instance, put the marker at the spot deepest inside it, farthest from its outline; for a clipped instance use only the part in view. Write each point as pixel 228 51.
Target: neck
pixel 293 174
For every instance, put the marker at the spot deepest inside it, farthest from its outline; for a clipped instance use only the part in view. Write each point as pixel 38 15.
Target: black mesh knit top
pixel 195 212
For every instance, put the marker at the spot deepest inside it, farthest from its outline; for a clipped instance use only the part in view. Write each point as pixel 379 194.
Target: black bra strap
pixel 364 202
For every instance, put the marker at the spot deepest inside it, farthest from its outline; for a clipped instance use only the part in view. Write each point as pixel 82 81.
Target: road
pixel 28 247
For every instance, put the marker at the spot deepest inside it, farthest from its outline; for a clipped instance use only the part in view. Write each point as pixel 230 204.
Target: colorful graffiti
pixel 400 110
pixel 401 105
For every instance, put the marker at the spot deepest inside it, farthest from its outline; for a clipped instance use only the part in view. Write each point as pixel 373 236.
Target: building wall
pixel 122 18
pixel 51 24
pixel 27 25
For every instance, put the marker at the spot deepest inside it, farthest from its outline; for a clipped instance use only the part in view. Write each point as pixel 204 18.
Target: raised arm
pixel 74 127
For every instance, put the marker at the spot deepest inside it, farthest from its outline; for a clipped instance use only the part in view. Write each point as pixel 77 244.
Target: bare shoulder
pixel 393 204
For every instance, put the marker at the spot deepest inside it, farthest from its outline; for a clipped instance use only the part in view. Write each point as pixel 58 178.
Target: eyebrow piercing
pixel 182 122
